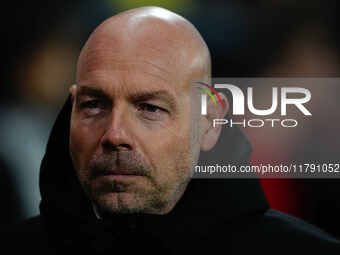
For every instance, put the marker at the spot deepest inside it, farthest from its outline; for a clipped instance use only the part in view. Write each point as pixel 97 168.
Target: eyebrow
pixel 85 90
pixel 154 95
pixel 135 97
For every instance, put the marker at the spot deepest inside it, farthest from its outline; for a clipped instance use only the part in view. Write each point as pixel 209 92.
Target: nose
pixel 118 135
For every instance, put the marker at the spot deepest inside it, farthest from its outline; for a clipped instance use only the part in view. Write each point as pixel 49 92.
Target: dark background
pixel 265 38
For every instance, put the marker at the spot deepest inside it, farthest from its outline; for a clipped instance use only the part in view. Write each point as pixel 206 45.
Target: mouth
pixel 116 173
pixel 117 178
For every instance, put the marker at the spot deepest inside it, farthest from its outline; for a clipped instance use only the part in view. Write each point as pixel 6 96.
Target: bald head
pixel 150 34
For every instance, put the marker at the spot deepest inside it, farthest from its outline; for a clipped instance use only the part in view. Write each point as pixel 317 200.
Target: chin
pixel 127 203
pixel 119 202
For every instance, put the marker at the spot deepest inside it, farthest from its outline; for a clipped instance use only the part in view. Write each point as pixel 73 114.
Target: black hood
pixel 205 201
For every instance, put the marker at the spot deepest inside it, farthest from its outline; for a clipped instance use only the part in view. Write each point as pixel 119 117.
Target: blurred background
pixel 264 38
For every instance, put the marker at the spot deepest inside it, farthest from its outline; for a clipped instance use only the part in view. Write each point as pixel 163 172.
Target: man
pixel 116 176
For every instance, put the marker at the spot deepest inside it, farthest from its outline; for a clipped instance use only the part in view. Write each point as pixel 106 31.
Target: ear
pixel 210 134
pixel 73 90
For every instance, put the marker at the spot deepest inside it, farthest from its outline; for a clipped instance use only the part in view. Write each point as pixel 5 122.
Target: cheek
pixel 83 142
pixel 169 151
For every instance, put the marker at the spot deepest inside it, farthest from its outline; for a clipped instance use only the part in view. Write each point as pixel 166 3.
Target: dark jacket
pixel 214 216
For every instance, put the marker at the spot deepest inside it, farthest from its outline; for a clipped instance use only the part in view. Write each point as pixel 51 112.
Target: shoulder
pixel 299 228
pixel 33 225
pixel 284 233
pixel 27 234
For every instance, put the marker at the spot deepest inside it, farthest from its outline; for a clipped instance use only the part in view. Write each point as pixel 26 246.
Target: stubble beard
pixel 142 195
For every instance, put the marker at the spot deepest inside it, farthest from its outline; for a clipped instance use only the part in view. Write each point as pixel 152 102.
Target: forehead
pixel 122 83
pixel 154 51
pixel 135 71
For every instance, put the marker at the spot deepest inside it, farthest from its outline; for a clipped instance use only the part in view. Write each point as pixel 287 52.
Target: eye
pixel 90 104
pixel 91 107
pixel 149 107
pixel 151 112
